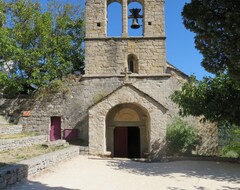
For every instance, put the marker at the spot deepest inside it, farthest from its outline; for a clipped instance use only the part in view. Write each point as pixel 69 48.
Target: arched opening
pixel 127 131
pixel 114 18
pixel 133 63
pixel 139 21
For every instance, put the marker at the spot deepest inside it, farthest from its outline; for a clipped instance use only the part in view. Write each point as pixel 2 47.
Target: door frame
pixel 50 128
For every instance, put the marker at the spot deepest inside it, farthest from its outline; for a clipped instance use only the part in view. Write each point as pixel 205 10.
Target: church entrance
pixel 127 134
pixel 127 142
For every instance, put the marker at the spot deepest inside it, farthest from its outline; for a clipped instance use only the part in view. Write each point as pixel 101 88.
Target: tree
pixel 216 99
pixel 38 46
pixel 216 24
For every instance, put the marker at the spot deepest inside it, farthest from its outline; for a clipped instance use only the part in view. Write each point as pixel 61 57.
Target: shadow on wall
pixel 12 109
pixel 158 150
pixel 200 169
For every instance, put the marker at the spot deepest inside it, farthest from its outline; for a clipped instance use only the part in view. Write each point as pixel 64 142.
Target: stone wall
pixel 131 95
pixel 10 175
pixel 10 144
pixel 10 129
pixel 83 93
pixel 109 55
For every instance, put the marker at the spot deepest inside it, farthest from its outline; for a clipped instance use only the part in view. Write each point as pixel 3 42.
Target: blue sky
pixel 181 51
pixel 180 45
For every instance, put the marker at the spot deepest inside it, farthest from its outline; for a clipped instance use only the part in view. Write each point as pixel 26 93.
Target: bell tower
pixel 141 55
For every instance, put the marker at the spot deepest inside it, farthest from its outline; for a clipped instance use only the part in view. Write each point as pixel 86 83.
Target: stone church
pixel 121 106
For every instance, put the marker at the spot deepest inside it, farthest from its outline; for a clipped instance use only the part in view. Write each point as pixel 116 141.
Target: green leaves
pixel 42 45
pixel 181 138
pixel 217 28
pixel 217 99
pixel 216 25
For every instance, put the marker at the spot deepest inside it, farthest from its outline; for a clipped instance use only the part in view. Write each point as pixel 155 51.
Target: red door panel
pixel 55 131
pixel 121 142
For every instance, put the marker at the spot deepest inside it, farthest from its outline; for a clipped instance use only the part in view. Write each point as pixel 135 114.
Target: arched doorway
pixel 127 131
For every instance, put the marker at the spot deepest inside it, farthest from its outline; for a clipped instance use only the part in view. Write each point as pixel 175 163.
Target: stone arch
pixel 139 1
pixel 135 121
pixel 113 1
pixel 133 63
pixel 127 94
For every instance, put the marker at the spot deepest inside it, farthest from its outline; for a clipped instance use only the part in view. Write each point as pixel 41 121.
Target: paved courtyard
pixel 83 173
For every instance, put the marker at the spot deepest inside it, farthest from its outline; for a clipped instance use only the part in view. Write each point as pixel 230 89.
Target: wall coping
pixel 130 76
pixel 126 38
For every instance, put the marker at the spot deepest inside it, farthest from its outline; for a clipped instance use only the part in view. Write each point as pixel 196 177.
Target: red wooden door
pixel 121 142
pixel 55 131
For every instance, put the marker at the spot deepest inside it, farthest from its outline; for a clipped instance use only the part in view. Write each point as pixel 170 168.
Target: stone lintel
pixel 126 38
pixel 130 76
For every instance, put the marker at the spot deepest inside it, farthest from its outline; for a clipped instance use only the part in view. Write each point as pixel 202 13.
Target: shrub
pixel 232 149
pixel 181 138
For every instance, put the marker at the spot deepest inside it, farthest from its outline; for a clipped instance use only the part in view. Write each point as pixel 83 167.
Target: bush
pixel 232 149
pixel 181 138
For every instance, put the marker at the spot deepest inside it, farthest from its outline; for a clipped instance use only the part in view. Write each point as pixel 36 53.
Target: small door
pixel 55 131
pixel 121 142
pixel 127 142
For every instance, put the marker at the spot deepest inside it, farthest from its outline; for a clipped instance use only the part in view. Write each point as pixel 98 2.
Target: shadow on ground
pixel 31 185
pixel 201 169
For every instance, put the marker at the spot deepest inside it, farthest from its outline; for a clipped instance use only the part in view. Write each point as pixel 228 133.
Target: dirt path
pixel 83 173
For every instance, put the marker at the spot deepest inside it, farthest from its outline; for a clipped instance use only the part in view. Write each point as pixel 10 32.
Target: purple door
pixel 121 142
pixel 55 131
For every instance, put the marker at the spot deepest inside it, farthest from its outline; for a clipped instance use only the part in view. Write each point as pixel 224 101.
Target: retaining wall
pixel 10 129
pixel 10 144
pixel 10 175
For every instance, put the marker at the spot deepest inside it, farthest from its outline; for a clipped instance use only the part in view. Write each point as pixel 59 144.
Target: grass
pixel 20 135
pixel 17 155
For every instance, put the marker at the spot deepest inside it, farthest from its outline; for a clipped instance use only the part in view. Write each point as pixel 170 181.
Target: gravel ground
pixel 86 173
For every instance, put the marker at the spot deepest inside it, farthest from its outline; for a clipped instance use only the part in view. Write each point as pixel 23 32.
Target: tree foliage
pixel 216 24
pixel 38 45
pixel 217 99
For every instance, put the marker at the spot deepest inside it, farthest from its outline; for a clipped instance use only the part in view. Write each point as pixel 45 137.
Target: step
pixel 60 142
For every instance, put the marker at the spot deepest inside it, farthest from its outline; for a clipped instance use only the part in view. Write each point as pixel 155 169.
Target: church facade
pixel 121 106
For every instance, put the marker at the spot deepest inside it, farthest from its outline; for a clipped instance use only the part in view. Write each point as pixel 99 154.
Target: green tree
pixel 216 24
pixel 38 45
pixel 217 99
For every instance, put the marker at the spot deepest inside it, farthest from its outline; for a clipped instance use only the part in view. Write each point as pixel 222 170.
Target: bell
pixel 135 24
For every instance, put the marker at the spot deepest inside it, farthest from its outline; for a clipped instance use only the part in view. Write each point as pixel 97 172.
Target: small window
pixel 131 66
pixel 132 63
